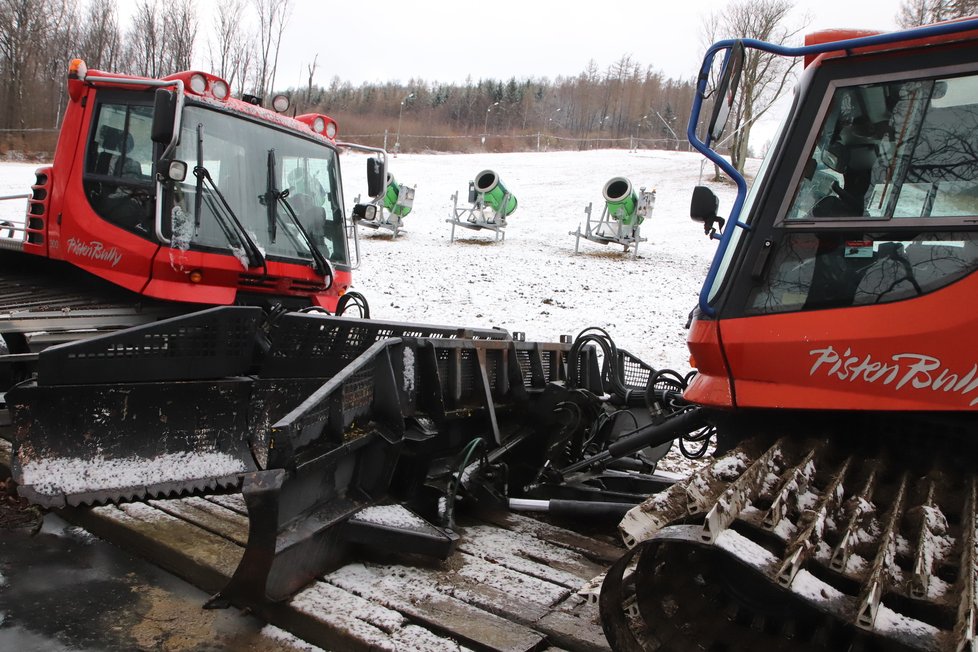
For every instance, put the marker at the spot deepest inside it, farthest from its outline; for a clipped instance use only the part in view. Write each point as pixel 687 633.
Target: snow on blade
pixel 394 516
pixel 70 475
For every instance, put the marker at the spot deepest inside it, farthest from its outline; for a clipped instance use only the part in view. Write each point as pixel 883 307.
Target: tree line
pixel 39 37
pixel 620 105
pixel 624 102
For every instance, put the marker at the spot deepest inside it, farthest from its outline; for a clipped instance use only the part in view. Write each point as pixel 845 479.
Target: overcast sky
pixel 383 40
pixel 448 41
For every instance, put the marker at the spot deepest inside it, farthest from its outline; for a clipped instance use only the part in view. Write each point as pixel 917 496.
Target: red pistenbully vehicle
pixel 835 349
pixel 176 191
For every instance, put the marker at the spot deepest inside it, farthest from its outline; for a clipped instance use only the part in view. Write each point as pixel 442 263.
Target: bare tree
pixel 312 73
pixel 99 40
pixel 161 40
pixel 922 12
pixel 179 35
pixel 144 40
pixel 25 30
pixel 273 15
pixel 765 76
pixel 229 51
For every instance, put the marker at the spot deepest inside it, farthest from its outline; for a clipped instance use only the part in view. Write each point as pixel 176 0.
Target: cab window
pixel 119 166
pixel 885 194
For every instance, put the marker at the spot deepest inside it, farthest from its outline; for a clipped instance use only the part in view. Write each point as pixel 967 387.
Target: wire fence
pixel 34 142
pixel 537 141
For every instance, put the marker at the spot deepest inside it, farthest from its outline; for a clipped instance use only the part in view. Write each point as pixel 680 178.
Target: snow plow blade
pixel 150 411
pixel 341 433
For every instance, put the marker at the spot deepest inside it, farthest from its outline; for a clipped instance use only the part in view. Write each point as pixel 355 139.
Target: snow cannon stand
pixel 622 217
pixel 391 203
pixel 490 204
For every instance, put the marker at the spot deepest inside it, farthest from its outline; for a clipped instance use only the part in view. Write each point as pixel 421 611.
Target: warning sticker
pixel 859 249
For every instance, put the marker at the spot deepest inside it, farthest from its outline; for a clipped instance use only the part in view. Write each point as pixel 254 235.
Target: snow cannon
pixel 622 201
pixel 495 194
pixel 389 202
pixel 490 204
pixel 624 211
pixel 393 194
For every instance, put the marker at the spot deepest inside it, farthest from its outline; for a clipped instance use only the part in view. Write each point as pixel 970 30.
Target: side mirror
pixel 726 90
pixel 164 116
pixel 703 208
pixel 364 212
pixel 375 177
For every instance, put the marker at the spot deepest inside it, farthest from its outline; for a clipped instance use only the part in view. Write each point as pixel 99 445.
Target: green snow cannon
pixel 494 192
pixel 622 202
pixel 391 195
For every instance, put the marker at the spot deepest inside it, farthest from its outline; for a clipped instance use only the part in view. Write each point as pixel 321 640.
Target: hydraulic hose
pixel 651 435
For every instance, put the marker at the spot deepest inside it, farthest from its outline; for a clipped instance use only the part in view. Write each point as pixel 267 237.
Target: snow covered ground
pixel 533 281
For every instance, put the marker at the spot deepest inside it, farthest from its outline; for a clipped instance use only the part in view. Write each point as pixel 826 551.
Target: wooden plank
pixel 408 591
pixel 524 590
pixel 202 558
pixel 597 550
pixel 553 610
pixel 209 516
pixel 341 620
pixel 574 624
pixel 234 502
pixel 529 555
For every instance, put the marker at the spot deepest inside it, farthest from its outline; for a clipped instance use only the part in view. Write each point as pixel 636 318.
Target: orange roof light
pixel 77 69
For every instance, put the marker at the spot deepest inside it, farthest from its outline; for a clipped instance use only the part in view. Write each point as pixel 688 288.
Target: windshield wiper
pixel 271 198
pixel 228 221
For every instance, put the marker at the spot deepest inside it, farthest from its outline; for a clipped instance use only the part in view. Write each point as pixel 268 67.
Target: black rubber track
pixel 696 598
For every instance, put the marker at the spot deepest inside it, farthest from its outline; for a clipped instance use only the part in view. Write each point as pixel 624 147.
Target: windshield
pixel 746 211
pixel 235 153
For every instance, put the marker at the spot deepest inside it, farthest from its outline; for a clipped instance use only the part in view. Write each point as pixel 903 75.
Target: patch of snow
pixel 743 548
pixel 80 534
pixel 893 623
pixel 810 587
pixel 516 585
pixel 730 467
pixel 285 638
pixel 418 639
pixel 69 475
pixel 329 603
pixel 408 369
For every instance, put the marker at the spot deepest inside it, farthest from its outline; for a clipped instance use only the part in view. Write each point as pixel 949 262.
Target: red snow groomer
pixel 175 191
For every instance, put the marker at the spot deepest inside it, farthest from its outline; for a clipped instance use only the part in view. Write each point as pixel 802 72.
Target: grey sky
pixel 383 40
pixel 448 41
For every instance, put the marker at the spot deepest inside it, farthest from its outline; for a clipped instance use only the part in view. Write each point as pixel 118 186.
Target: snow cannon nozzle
pixel 622 201
pixel 495 194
